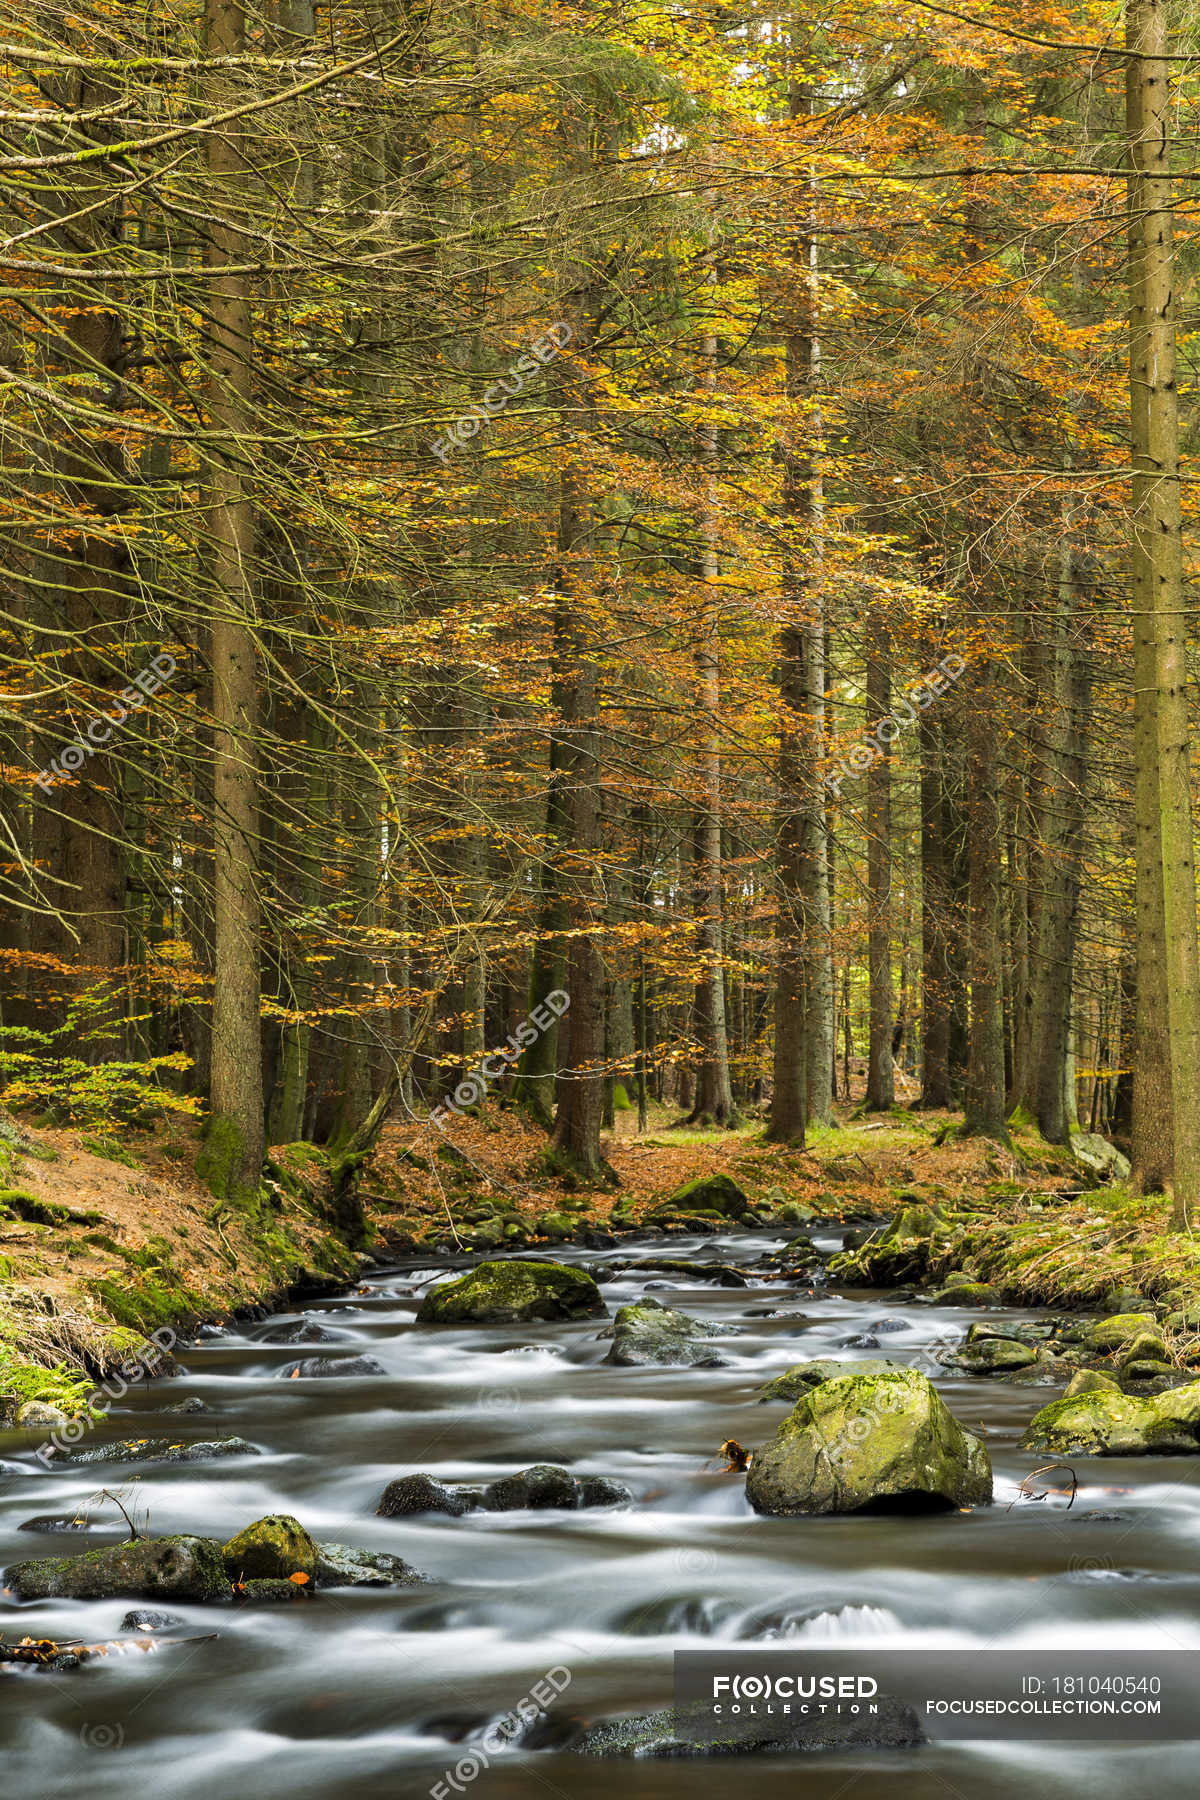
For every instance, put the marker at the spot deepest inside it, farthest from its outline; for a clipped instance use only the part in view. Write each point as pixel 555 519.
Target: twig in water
pixel 1023 1492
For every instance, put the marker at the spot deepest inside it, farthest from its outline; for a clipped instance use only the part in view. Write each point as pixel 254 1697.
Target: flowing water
pixel 379 1692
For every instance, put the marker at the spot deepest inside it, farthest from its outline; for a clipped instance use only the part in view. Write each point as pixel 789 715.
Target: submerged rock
pixel 193 1404
pixel 798 1380
pixel 53 1522
pixel 544 1485
pixel 274 1546
pixel 330 1367
pixel 599 1490
pixel 410 1495
pixel 132 1450
pixel 658 1734
pixel 302 1331
pixel 869 1440
pixel 341 1565
pixel 1106 1422
pixel 650 1333
pixel 170 1568
pixel 513 1292
pixel 142 1618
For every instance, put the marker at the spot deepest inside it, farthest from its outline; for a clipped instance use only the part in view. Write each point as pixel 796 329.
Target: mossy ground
pixel 97 1250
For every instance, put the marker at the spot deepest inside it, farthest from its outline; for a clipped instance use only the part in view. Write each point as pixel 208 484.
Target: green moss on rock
pixel 1106 1422
pixel 718 1194
pixel 993 1356
pixel 276 1546
pixel 799 1380
pixel 866 1441
pixel 1115 1332
pixel 170 1568
pixel 512 1291
pixel 656 1335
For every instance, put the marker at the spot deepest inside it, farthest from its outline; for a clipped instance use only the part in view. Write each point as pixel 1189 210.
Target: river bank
pixel 105 1240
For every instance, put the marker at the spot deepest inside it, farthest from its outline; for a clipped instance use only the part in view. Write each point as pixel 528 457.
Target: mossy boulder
pixel 967 1293
pixel 513 1292
pixel 993 1356
pixel 1106 1422
pixel 557 1226
pixel 799 1380
pixel 1089 1381
pixel 1120 1329
pixel 718 1194
pixel 866 1441
pixel 1009 1332
pixel 1147 1346
pixel 170 1568
pixel 37 1412
pixel 904 1252
pixel 276 1546
pixel 652 1334
pixel 917 1221
pixel 271 1590
pixel 1147 1368
pixel 800 1253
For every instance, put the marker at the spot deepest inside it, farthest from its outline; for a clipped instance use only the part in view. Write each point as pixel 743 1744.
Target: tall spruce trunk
pixel 802 1085
pixel 1062 866
pixel 985 1093
pixel 233 1153
pixel 935 901
pixel 1165 871
pixel 881 1080
pixel 575 1146
pixel 714 1096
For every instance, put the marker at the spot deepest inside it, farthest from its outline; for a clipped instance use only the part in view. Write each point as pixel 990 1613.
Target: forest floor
pixel 103 1240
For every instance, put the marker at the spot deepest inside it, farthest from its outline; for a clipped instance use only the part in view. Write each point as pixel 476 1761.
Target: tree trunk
pixel 235 1142
pixel 714 1097
pixel 1161 665
pixel 985 1067
pixel 1061 869
pixel 881 1080
pixel 803 1055
pixel 575 1146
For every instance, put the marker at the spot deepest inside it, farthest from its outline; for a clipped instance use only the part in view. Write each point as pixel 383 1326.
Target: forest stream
pixel 381 1691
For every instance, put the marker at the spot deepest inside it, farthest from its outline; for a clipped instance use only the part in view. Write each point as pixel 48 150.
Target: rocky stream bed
pixel 397 1514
